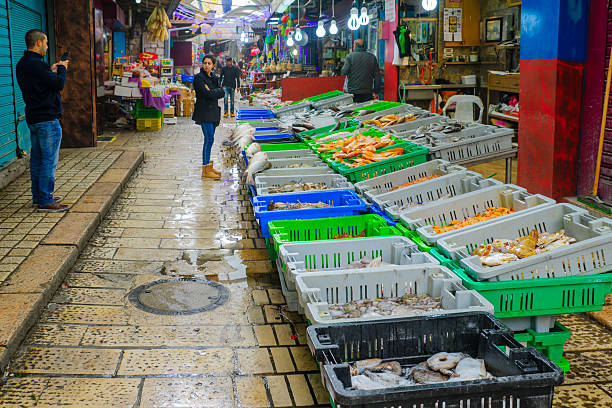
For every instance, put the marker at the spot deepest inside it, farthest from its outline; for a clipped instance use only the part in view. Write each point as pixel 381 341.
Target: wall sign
pixel 452 24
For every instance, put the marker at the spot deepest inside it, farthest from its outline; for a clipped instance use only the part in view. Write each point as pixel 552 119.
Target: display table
pixel 148 99
pixel 508 155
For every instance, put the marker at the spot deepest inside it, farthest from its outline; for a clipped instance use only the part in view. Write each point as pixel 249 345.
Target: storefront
pixel 17 17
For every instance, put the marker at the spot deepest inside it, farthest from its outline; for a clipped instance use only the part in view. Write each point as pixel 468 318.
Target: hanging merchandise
pixel 269 36
pixel 284 18
pixel 157 25
pixel 402 39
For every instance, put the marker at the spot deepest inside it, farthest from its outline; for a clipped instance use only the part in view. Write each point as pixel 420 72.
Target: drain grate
pixel 179 296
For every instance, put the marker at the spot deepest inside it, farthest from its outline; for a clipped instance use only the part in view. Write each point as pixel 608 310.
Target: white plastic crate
pixel 400 109
pixel 291 154
pixel 305 257
pixel 387 182
pixel 262 123
pixel 422 219
pixel 402 129
pixel 302 171
pixel 316 291
pixel 325 119
pixel 291 109
pixel 409 132
pixel 428 192
pixel 591 254
pixel 498 140
pixel 311 161
pixel 333 181
pixel 291 296
pixel 339 101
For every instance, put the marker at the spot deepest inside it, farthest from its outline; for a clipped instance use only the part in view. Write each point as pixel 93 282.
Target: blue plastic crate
pixel 244 157
pixel 279 136
pixel 345 203
pixel 373 209
pixel 267 129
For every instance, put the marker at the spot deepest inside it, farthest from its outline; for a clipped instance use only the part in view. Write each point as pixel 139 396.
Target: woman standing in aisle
pixel 207 112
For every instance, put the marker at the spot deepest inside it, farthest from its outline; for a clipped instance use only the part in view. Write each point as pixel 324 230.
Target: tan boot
pixel 212 166
pixel 208 173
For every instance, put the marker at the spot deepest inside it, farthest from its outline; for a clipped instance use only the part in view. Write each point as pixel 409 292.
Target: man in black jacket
pixel 40 86
pixel 230 80
pixel 362 70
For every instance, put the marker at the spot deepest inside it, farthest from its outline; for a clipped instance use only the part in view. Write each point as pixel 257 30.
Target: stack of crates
pixel 148 118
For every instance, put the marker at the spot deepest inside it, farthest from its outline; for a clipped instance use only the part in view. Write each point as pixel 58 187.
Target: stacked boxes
pixel 185 103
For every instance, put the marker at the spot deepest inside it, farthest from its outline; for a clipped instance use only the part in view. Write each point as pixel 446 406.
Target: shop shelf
pixel 430 192
pixel 332 181
pixel 534 303
pixel 287 231
pixel 344 203
pixel 386 183
pixel 149 124
pixel 590 254
pixel 440 213
pixel 522 376
pixel 318 290
pixel 297 259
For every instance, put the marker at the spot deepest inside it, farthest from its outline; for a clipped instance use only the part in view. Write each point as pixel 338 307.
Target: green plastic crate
pixel 285 231
pixel 414 237
pixel 314 143
pixel 550 344
pixel 325 129
pixel 147 112
pixel 412 156
pixel 271 251
pixel 275 147
pixel 324 96
pixel 380 106
pixel 541 297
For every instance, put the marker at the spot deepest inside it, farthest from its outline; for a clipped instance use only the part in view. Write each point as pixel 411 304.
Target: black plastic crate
pixel 524 377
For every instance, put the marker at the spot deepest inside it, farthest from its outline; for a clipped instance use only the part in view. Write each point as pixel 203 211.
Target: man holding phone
pixel 40 86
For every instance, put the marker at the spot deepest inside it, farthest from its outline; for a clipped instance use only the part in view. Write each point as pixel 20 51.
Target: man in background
pixel 40 86
pixel 230 80
pixel 361 69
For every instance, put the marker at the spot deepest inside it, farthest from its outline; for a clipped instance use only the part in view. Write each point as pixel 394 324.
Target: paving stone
pixel 255 314
pixel 300 390
pixel 90 296
pixel 102 280
pixel 85 314
pixel 187 392
pixel 272 314
pixel 93 204
pixel 604 316
pixel 90 392
pixel 584 330
pixel 56 334
pixel 590 366
pixel 153 233
pixel 38 360
pixel 265 335
pixel 276 296
pixel 581 396
pixel 132 254
pixel 115 176
pixel 74 229
pixel 104 189
pixel 22 392
pixel 251 392
pixel 190 243
pixel 160 336
pixel 254 361
pixel 17 314
pixel 320 392
pixel 303 359
pixel 132 267
pixel 279 391
pixel 260 297
pixel 282 360
pixel 213 361
pixel 283 334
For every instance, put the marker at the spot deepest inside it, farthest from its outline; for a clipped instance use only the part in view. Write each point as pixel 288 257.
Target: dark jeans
pixel 208 128
pixel 46 140
pixel 229 93
pixel 359 98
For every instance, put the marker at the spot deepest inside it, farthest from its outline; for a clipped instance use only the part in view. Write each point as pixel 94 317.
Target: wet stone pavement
pixel 94 347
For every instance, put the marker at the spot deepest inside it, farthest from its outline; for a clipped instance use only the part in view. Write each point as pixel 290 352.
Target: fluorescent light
pixel 429 4
pixel 364 20
pixel 353 22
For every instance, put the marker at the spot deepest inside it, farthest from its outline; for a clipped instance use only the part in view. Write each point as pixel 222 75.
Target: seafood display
pixel 259 162
pixel 346 235
pixel 359 150
pixel 427 132
pixel 297 187
pixel 376 374
pixel 503 251
pixel 389 120
pixel 411 205
pixel 489 214
pixel 386 306
pixel 365 262
pixel 417 181
pixel 273 206
pixel 298 165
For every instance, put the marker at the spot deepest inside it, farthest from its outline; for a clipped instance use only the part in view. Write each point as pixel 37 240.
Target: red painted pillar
pixel 553 43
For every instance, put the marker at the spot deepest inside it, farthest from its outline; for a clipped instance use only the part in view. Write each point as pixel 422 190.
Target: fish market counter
pixel 295 89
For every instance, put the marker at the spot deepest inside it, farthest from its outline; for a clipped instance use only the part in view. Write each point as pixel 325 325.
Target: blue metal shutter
pixel 24 16
pixel 8 139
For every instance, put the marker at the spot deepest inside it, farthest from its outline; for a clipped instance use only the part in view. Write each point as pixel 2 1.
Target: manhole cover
pixel 179 296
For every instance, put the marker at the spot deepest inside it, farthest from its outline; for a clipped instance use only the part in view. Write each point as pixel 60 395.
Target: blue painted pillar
pixel 553 53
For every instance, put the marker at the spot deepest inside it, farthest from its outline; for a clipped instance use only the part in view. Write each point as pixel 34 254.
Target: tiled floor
pixel 93 348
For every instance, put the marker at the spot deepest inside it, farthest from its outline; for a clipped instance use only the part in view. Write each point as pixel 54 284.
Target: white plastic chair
pixel 464 107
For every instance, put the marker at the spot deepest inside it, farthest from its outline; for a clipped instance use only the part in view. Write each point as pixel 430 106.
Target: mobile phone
pixel 65 56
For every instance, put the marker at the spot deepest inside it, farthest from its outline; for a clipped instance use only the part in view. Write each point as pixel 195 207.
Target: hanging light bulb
pixel 353 22
pixel 429 4
pixel 295 52
pixel 137 1
pixel 290 41
pixel 320 29
pixel 298 34
pixel 333 28
pixel 364 20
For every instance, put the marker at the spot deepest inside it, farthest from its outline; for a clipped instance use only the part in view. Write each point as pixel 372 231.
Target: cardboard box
pixel 126 82
pixel 124 91
pixel 169 111
pixel 136 93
